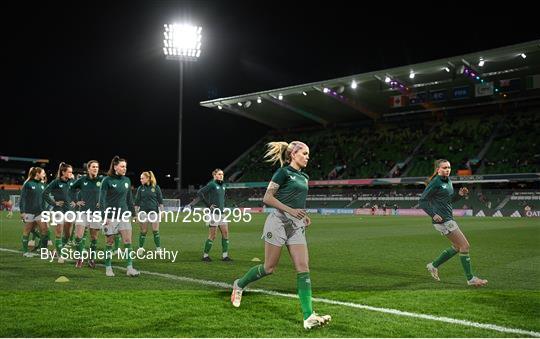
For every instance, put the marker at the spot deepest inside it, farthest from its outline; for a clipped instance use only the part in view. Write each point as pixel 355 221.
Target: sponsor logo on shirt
pixel 114 185
pixel 126 185
pixel 85 184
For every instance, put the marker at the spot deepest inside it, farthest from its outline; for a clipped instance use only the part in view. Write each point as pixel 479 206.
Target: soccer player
pixel 287 193
pixel 31 206
pixel 88 197
pixel 436 201
pixel 115 192
pixel 213 196
pixel 148 199
pixel 61 202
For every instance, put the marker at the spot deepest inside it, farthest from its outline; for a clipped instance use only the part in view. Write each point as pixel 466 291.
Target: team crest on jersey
pixel 114 185
pixel 42 187
pixel 85 184
pixel 443 186
pixel 60 186
pixel 33 187
pixel 126 184
pixel 153 190
pixel 269 235
pixel 98 184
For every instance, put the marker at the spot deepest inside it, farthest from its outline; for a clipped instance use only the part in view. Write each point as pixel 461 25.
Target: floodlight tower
pixel 181 42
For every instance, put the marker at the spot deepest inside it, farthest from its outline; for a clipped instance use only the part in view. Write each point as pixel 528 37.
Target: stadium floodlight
pixel 326 90
pixel 481 62
pixel 304 93
pixel 411 75
pixel 247 104
pixel 259 100
pixel 280 96
pixel 523 55
pixel 220 107
pixel 181 42
pixel 387 79
pixel 354 84
pixel 239 104
pixel 447 69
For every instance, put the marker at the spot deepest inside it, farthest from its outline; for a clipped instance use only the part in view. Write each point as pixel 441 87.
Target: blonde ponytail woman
pixel 286 225
pixel 149 199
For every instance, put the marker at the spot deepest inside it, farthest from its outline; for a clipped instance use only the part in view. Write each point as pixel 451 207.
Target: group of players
pixel 286 225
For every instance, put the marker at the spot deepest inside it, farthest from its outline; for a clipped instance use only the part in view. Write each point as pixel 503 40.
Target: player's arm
pixel 138 199
pixel 270 200
pixel 159 196
pixel 47 195
pixel 202 195
pixel 424 200
pixel 463 192
pixel 129 199
pixel 22 203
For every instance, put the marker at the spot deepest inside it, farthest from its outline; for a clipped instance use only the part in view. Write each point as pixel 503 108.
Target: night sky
pixel 89 81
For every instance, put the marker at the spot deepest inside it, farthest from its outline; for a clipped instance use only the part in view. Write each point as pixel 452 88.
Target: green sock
pixel 58 245
pixel 142 238
pixel 108 256
pixel 72 234
pixel 446 255
pixel 129 261
pixel 466 263
pixel 78 244
pixel 84 238
pixel 93 248
pixel 255 273
pixel 116 241
pixel 303 283
pixel 35 235
pixel 225 245
pixel 208 246
pixel 44 241
pixel 25 243
pixel 157 239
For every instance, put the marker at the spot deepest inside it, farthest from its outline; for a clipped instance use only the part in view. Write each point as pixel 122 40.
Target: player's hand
pixel 298 213
pixel 437 218
pixel 463 191
pixel 59 203
pixel 308 220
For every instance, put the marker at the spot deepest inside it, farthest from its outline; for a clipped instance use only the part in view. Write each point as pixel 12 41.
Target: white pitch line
pixel 223 285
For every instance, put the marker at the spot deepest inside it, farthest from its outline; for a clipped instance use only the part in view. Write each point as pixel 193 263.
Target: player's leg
pixel 224 229
pixel 157 238
pixel 459 241
pixel 125 231
pixel 109 252
pixel 27 228
pixel 209 242
pixel 143 229
pixel 79 234
pixel 300 258
pixel 94 233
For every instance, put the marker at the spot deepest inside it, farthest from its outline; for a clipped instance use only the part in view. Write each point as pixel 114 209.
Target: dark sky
pixel 89 81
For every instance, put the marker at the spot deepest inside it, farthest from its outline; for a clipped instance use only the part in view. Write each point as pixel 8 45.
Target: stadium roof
pixel 334 101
